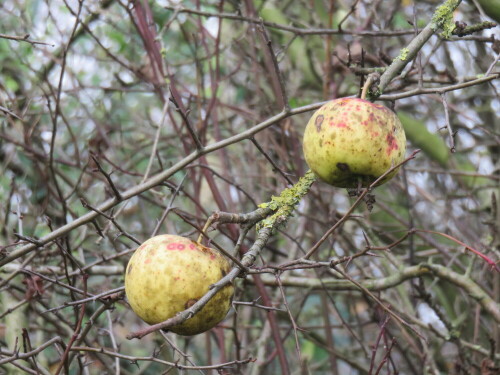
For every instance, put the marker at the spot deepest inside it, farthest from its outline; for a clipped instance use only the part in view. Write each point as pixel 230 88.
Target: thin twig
pixel 493 64
pixel 375 346
pixel 175 98
pixel 295 30
pixel 110 218
pixel 108 177
pixel 447 122
pixel 17 355
pixel 157 137
pixel 277 71
pixel 169 207
pixel 439 90
pixel 64 358
pixel 24 38
pixel 134 359
pixel 351 11
pixel 270 160
pixel 9 112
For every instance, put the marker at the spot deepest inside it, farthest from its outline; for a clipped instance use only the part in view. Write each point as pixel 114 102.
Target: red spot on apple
pixel 148 260
pixel 192 247
pixel 392 142
pixel 212 256
pixel 176 246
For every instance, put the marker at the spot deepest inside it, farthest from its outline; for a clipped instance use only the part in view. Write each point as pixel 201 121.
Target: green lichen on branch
pixel 403 55
pixel 463 30
pixel 284 204
pixel 443 18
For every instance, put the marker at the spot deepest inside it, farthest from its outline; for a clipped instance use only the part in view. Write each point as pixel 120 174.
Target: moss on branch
pixel 284 204
pixel 443 18
pixel 403 55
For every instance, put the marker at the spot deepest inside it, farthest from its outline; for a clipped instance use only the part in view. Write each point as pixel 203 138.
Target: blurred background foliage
pixel 91 85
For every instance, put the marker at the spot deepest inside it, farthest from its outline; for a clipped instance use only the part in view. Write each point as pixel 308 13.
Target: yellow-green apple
pixel 351 142
pixel 168 274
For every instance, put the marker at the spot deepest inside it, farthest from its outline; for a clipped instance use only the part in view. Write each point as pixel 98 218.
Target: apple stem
pixel 369 80
pixel 205 228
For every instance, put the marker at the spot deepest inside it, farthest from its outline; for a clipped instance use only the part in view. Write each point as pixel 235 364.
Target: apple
pixel 168 274
pixel 351 142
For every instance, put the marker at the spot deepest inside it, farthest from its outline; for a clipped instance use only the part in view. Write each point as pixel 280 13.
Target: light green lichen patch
pixel 443 18
pixel 403 54
pixel 285 203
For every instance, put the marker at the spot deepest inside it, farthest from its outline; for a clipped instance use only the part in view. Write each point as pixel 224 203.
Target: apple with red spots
pixel 168 274
pixel 351 142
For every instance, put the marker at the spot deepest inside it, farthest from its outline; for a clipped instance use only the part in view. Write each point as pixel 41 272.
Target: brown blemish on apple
pixel 204 249
pixel 392 142
pixel 343 167
pixel 318 122
pixel 190 303
pixel 130 269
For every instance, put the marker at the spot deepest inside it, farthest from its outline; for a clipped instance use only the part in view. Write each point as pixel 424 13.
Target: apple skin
pixel 351 142
pixel 167 274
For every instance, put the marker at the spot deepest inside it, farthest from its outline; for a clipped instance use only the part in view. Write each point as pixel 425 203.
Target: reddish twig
pixel 377 342
pixel 493 264
pixel 77 329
